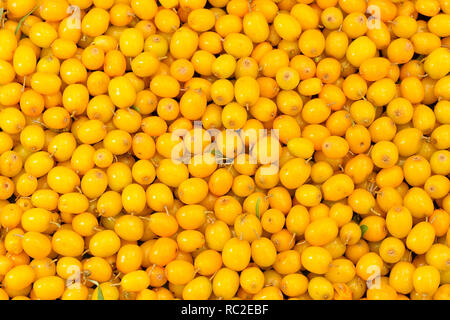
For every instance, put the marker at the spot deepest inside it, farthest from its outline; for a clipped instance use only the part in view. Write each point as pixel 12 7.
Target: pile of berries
pixel 224 149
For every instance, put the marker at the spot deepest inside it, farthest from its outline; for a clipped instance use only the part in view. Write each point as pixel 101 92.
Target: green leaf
pixel 24 17
pixel 364 229
pixel 135 108
pixel 257 208
pixel 99 290
pixel 100 294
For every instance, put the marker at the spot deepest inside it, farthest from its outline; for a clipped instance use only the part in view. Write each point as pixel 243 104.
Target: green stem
pixel 257 208
pixel 2 11
pixel 24 17
pixel 135 108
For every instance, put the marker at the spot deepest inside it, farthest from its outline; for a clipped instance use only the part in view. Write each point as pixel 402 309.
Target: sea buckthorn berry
pixel 131 42
pixel 335 147
pixel 337 187
pixel 354 87
pixel 10 41
pixel 391 249
pixel 440 137
pixel 122 92
pixel 255 26
pixel 401 277
pixel 437 25
pixel 236 254
pixel 432 61
pixel 311 43
pixel 355 25
pixel 19 277
pixel 316 259
pixel 360 49
pixel 437 186
pixel 308 195
pixel 226 283
pixel 104 243
pixel 384 154
pixel 287 26
pixel 416 170
pixel 441 113
pixel 426 279
pixel 438 256
pixel 418 202
pixel 369 266
pixel 399 221
pixel 321 231
pixel 67 243
pixel 408 141
pixel 361 201
pixel 425 232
